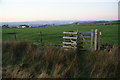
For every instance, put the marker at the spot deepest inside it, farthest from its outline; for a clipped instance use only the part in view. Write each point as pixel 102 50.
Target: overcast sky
pixel 31 10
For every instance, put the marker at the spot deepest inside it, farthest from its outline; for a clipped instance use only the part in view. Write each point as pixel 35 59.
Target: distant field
pixel 53 35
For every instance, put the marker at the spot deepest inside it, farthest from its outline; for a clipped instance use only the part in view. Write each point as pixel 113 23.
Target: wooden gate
pixel 82 40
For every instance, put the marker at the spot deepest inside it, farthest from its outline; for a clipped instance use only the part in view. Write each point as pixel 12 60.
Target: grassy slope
pixel 54 34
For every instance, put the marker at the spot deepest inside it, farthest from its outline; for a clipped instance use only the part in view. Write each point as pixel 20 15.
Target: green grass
pixel 53 35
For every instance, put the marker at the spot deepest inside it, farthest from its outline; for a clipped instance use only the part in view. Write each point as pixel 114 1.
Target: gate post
pixel 92 38
pixel 99 39
pixel 96 39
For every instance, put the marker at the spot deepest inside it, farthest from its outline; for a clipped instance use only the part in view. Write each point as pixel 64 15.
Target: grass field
pixel 23 59
pixel 53 35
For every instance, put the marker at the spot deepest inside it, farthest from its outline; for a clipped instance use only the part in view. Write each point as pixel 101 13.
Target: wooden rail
pixel 84 41
pixel 69 47
pixel 85 36
pixel 69 37
pixel 70 43
pixel 76 32
pixel 76 39
pixel 84 32
pixel 70 32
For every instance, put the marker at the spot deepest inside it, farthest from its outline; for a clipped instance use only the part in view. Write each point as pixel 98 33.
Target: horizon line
pixel 55 20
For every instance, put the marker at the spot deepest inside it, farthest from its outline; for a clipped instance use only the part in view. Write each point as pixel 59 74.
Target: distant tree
pixel 5 26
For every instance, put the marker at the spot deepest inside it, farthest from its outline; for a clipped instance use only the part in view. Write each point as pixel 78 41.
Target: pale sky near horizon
pixel 31 10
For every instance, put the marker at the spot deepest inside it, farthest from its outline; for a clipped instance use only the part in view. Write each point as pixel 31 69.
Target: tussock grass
pixel 22 59
pixel 104 63
pixel 38 63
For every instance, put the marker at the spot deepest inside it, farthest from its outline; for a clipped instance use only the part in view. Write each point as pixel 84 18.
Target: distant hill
pixel 57 22
pixel 94 22
pixel 37 23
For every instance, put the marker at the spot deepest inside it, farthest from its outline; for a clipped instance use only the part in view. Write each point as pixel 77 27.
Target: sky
pixel 33 10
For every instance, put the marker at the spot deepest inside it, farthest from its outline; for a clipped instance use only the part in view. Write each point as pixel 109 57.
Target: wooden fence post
pixel 15 35
pixel 41 41
pixel 96 39
pixel 92 37
pixel 99 38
